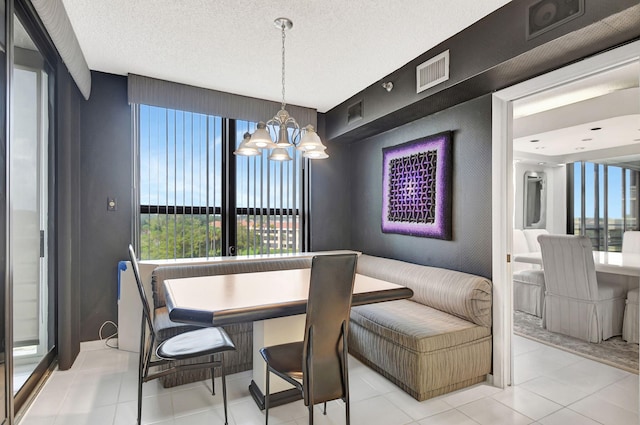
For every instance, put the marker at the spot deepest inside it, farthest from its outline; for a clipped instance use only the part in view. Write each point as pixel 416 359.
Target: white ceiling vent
pixel 432 72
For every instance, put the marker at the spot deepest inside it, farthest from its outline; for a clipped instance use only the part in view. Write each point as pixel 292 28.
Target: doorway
pixel 503 189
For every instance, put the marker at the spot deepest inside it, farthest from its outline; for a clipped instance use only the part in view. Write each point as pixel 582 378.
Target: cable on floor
pixel 110 337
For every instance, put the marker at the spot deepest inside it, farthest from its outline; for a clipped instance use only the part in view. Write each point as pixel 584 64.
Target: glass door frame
pixel 27 15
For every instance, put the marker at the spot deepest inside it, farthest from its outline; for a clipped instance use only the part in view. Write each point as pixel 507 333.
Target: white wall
pixel 556 191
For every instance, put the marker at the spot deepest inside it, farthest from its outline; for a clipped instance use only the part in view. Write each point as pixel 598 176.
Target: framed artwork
pixel 416 186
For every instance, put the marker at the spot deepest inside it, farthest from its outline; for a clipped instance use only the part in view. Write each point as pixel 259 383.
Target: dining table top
pixel 232 298
pixel 627 264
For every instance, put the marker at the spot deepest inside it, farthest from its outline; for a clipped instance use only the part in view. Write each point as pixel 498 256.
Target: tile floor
pixel 552 388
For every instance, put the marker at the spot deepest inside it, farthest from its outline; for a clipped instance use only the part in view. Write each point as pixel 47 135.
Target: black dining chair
pixel 317 366
pixel 187 345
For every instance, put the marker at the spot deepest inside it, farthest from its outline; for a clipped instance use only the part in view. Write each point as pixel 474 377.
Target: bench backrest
pixel 162 273
pixel 461 294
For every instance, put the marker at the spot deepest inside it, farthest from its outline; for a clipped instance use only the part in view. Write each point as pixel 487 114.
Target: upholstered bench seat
pixel 404 337
pixel 436 342
pixel 416 326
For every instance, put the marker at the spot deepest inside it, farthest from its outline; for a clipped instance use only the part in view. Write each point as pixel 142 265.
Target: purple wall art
pixel 416 185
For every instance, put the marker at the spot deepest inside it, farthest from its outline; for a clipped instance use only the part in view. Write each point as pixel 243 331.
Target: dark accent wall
pixel 105 171
pixel 470 248
pixel 330 196
pixel 67 216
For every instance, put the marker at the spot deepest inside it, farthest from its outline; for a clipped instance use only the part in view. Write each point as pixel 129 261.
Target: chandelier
pixel 282 127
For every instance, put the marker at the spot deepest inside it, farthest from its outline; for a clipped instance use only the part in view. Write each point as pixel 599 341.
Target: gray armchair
pixel 631 327
pixel 631 242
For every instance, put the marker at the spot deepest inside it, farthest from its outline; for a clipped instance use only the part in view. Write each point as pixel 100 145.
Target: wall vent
pixel 354 112
pixel 432 72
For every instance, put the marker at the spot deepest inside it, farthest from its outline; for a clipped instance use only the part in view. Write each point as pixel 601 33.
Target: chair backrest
pixel 532 238
pixel 520 245
pixel 568 266
pixel 146 310
pixel 327 321
pixel 631 242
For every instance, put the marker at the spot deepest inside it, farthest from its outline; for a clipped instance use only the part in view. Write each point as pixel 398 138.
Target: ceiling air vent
pixel 432 72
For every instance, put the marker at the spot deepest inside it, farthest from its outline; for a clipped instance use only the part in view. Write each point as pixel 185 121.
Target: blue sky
pixel 175 145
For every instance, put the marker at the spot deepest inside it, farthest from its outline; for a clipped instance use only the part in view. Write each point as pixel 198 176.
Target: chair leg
pixel 347 410
pixel 310 413
pixel 140 378
pixel 325 408
pixel 224 389
pixel 213 381
pixel 266 397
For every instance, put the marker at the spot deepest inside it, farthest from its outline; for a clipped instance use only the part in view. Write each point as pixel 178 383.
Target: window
pixel 605 203
pixel 199 200
pixel 268 195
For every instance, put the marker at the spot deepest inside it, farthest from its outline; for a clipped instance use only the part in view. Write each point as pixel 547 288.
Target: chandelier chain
pixel 283 38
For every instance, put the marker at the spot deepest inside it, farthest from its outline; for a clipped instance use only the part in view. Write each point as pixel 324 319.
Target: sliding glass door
pixel 32 301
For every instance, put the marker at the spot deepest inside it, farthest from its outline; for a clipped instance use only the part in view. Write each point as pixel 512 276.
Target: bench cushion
pixel 415 326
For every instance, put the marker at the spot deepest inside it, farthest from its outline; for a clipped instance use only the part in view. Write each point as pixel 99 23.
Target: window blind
pixel 150 91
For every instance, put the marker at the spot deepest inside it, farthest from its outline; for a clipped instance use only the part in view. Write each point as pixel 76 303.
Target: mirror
pixel 535 200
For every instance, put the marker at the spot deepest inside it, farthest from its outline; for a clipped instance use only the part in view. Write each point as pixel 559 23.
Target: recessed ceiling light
pixel 596 128
pixel 541 163
pixel 534 141
pixel 587 139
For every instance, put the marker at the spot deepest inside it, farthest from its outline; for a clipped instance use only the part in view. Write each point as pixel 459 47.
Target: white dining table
pixel 626 264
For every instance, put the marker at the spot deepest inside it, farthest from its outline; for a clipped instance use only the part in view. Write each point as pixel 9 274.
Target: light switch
pixel 112 204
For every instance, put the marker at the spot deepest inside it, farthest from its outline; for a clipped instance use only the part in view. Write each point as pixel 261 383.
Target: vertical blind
pixel 268 196
pixel 180 183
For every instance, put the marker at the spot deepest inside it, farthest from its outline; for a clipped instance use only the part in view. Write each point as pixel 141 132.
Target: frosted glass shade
pixel 310 140
pixel 279 154
pixel 245 149
pixel 261 138
pixel 319 154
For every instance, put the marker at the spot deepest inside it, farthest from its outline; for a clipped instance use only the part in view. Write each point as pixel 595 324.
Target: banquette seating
pixel 438 341
pixel 435 342
pixel 528 280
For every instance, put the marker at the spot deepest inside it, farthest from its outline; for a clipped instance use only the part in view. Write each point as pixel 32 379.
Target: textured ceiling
pixel 335 49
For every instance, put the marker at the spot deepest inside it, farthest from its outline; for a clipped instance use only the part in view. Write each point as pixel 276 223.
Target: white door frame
pixel 502 190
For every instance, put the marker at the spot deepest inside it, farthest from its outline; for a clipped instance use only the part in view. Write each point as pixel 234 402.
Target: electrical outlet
pixel 112 204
